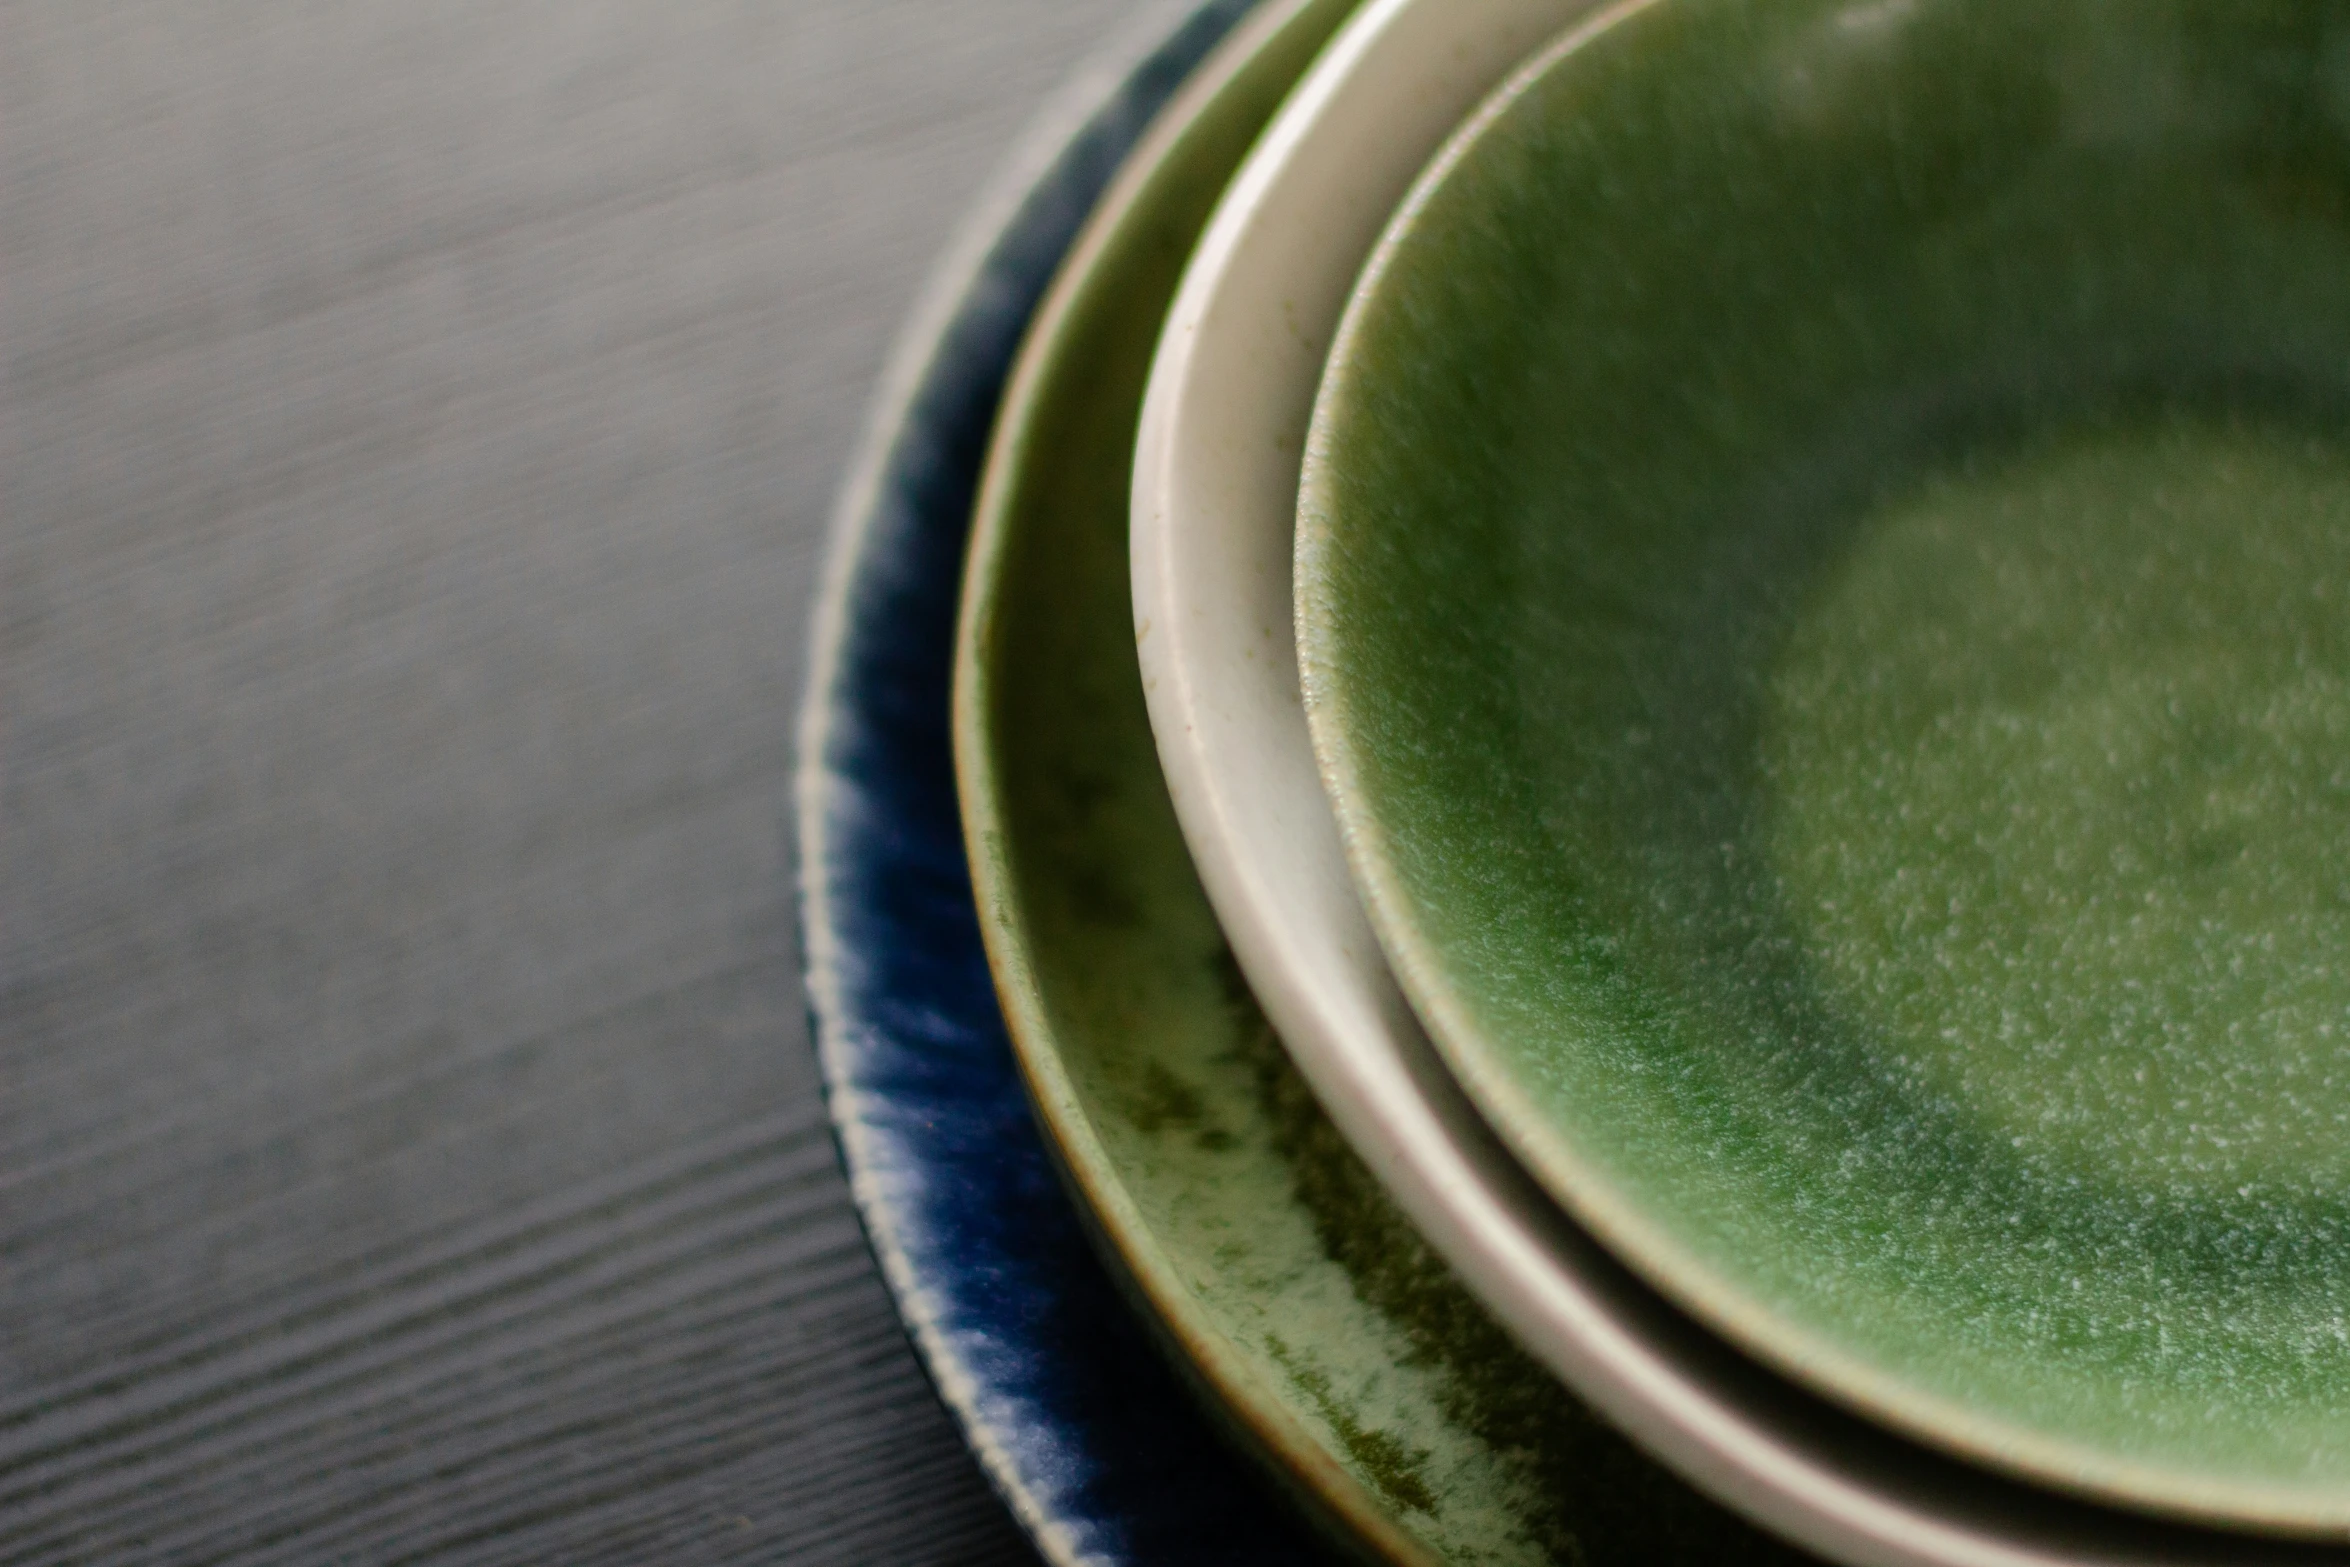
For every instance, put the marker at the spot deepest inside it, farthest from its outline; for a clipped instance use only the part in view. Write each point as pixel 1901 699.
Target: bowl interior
pixel 1819 579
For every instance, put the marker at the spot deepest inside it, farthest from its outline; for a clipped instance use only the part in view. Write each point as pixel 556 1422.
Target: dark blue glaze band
pixel 1080 1425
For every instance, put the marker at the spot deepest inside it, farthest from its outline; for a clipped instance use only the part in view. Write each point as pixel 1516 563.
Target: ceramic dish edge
pixel 951 355
pixel 1340 1506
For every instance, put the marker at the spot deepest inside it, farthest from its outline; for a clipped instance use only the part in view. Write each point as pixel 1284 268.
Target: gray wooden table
pixel 419 423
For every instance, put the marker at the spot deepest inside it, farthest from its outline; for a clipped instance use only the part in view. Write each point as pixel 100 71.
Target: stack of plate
pixel 1632 723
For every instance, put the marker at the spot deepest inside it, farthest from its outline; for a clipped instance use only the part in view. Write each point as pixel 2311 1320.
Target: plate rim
pixel 985 282
pixel 1131 1243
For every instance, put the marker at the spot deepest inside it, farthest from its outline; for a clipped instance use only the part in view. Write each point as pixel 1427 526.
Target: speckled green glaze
pixel 1304 1302
pixel 1821 587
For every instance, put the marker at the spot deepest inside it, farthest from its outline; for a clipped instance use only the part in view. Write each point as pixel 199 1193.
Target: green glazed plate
pixel 1315 1319
pixel 1821 584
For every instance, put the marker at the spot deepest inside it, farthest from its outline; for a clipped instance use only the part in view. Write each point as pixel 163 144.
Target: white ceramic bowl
pixel 1215 491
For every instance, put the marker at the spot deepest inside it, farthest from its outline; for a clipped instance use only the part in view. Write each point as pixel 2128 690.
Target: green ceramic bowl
pixel 1319 1325
pixel 1821 581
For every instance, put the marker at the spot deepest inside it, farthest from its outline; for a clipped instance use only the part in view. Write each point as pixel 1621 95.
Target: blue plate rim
pixel 948 367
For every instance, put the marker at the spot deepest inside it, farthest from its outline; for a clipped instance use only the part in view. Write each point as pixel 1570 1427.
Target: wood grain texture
pixel 418 428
